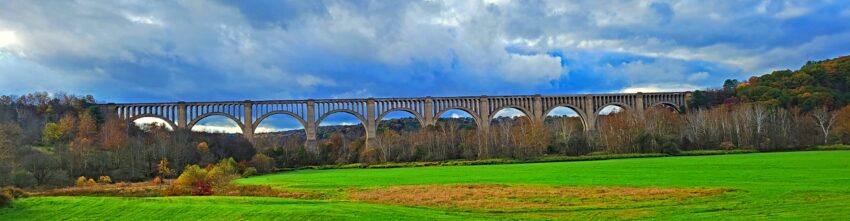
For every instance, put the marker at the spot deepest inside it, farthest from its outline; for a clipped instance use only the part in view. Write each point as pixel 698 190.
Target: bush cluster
pixel 203 181
pixel 9 194
pixel 6 200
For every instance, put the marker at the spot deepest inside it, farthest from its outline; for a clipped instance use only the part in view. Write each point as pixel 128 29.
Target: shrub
pixel 222 172
pixel 81 181
pixel 262 163
pixel 163 168
pixel 56 178
pixel 370 156
pixel 104 179
pixel 91 182
pixel 191 175
pixel 727 145
pixel 202 188
pixel 23 178
pixel 157 181
pixel 6 200
pixel 200 181
pixel 177 190
pixel 250 171
pixel 14 192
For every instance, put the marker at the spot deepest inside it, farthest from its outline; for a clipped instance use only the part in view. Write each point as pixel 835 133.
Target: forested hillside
pixel 816 84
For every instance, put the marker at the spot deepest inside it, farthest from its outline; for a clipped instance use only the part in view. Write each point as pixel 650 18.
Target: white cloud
pixel 563 111
pixel 791 10
pixel 217 129
pixel 143 19
pixel 610 109
pixel 702 75
pixel 531 69
pixel 147 121
pixel 311 80
pixel 217 124
pixel 509 112
pixel 8 38
pixel 455 116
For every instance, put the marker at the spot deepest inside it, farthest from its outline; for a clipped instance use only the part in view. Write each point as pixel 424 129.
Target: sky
pixel 159 51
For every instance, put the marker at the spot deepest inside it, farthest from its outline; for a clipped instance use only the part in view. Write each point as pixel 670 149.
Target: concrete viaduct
pixel 249 114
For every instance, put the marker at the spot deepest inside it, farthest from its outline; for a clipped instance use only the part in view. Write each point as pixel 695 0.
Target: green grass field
pixel 773 186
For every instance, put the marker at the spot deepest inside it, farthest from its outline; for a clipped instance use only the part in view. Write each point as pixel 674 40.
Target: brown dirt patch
pixel 141 189
pixel 512 198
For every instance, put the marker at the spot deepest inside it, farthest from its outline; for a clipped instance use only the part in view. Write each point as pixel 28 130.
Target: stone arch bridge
pixel 249 114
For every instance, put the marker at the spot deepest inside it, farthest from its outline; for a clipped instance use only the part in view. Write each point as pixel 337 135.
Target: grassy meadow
pixel 769 186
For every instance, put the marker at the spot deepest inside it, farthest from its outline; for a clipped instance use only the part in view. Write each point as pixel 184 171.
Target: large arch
pixel 269 114
pixel 231 117
pixel 621 105
pixel 403 109
pixel 474 115
pixel 599 116
pixel 357 115
pixel 136 117
pixel 581 116
pixel 521 109
pixel 341 113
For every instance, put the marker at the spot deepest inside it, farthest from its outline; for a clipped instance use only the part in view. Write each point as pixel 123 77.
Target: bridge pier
pixel 248 119
pixel 181 115
pixel 371 124
pixel 429 112
pixel 589 113
pixel 312 145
